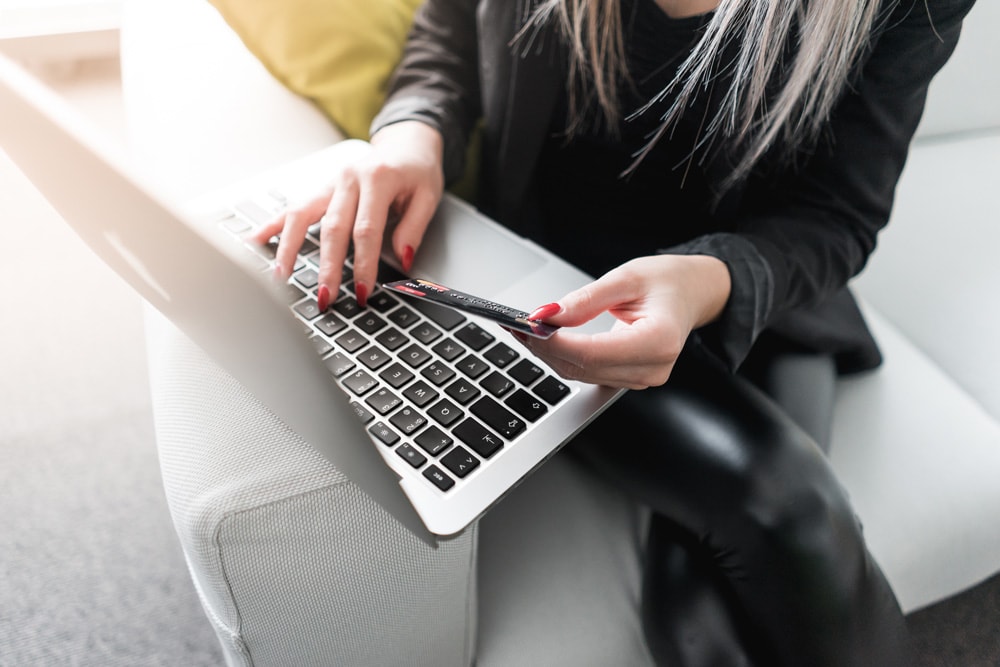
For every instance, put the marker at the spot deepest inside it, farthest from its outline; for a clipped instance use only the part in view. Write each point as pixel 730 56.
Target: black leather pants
pixel 754 554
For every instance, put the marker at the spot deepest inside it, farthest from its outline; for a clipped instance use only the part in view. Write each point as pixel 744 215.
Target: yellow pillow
pixel 337 53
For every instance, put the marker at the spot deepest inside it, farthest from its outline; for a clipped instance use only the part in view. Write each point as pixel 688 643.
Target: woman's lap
pixel 716 457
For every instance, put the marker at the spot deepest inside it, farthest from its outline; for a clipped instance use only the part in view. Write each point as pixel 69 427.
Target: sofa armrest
pixel 293 563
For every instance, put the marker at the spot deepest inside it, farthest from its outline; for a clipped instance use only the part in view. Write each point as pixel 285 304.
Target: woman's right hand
pixel 400 173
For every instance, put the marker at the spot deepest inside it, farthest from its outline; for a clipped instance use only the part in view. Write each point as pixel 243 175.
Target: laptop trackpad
pixel 470 253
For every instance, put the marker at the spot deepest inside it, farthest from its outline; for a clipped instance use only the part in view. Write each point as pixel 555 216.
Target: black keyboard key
pixel 460 461
pixel 474 336
pixel 385 434
pixel 498 417
pixel 308 278
pixel 439 478
pixel 347 306
pixel 278 196
pixel 237 226
pixel 528 406
pixel 396 375
pixel 322 345
pixel 551 390
pixel 501 355
pixel 351 340
pixel 438 373
pixel 308 309
pixel 387 273
pixel 403 317
pixel 307 248
pixel 382 301
pixel 411 455
pixel 392 338
pixel 445 413
pixel 425 333
pixel 448 349
pixel 383 401
pixel 362 414
pixel 463 391
pixel 444 317
pixel 433 440
pixel 370 323
pixel 420 393
pixel 482 441
pixel 408 420
pixel 255 212
pixel 359 382
pixel 291 293
pixel 497 384
pixel 267 250
pixel 415 356
pixel 330 324
pixel 339 364
pixel 374 357
pixel 472 366
pixel 256 262
pixel 526 372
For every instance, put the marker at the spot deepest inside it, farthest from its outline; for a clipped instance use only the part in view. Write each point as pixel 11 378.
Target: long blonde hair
pixel 825 36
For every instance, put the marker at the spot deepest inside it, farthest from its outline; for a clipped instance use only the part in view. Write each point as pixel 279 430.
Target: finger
pixel 296 224
pixel 334 238
pixel 608 292
pixel 292 226
pixel 369 226
pixel 410 231
pixel 263 234
pixel 640 375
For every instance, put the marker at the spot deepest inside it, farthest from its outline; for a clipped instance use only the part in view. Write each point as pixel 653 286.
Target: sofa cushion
pixel 559 573
pixel 965 95
pixel 935 273
pixel 337 53
pixel 919 459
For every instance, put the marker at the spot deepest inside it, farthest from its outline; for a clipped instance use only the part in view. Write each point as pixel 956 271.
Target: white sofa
pixel 295 566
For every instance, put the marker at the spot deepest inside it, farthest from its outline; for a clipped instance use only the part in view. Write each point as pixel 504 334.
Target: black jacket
pixel 792 238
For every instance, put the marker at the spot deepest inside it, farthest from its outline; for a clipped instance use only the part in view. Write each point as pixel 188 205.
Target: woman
pixel 725 168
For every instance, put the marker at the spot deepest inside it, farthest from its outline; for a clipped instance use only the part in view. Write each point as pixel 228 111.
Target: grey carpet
pixel 962 631
pixel 91 571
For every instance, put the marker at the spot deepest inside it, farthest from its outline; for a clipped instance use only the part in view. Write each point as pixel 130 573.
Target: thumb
pixel 585 303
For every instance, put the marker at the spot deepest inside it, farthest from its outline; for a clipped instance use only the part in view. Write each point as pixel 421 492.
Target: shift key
pixel 496 416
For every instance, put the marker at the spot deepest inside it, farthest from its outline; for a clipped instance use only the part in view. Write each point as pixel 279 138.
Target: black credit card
pixel 506 316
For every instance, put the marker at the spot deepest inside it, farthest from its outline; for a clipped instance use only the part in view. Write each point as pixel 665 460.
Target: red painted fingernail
pixel 323 298
pixel 546 311
pixel 407 258
pixel 362 294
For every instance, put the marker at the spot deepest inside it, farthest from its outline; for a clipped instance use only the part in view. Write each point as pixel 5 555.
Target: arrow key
pixel 460 461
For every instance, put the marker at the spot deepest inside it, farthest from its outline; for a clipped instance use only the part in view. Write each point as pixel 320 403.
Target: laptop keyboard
pixel 443 392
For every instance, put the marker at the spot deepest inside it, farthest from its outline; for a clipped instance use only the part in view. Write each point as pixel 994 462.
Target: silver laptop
pixel 434 413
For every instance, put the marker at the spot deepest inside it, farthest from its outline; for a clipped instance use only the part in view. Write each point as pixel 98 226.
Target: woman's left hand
pixel 657 301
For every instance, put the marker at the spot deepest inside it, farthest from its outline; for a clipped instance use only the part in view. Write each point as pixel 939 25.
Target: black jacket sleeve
pixel 801 235
pixel 437 80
